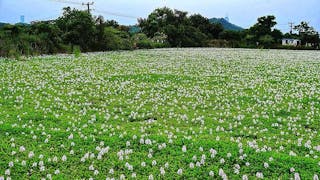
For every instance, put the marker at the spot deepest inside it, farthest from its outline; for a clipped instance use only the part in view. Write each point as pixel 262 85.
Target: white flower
pixel 162 171
pixel 211 173
pixel 222 174
pixel 133 175
pixel 22 149
pixel 11 164
pixel 42 168
pixel 292 170
pixel 315 177
pixel 23 163
pixel 122 177
pixel 191 165
pixel 150 177
pixel 154 162
pixel 166 165
pixel 184 148
pixel 296 176
pixel 194 157
pixel 222 160
pixel 266 165
pixel 55 159
pixel 244 177
pixel 259 175
pixel 291 153
pixel 96 172
pixel 41 163
pixel 7 172
pixel 148 142
pixel 70 136
pixel 64 158
pixel 91 168
pixel 128 143
pixel 31 154
pixel 34 164
pixel 179 171
pixel 57 171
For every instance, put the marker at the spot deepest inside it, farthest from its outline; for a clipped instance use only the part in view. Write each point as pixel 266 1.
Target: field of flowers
pixel 162 114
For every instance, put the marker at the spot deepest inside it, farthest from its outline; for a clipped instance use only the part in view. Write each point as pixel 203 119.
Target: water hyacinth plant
pixel 169 113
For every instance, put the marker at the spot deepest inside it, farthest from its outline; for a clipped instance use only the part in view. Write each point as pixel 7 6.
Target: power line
pixel 116 14
pixel 68 2
pixel 88 4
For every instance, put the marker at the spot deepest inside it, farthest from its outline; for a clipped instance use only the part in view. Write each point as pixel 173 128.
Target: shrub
pixel 76 51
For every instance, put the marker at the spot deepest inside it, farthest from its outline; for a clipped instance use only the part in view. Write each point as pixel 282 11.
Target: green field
pixel 162 114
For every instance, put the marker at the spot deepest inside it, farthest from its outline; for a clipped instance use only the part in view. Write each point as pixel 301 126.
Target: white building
pixel 291 42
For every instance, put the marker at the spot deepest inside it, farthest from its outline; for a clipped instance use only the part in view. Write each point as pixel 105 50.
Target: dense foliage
pixel 181 30
pixel 73 29
pixel 164 27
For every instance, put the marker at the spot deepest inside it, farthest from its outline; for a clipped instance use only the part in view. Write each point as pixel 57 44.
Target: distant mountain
pixel 134 29
pixel 3 24
pixel 21 24
pixel 226 24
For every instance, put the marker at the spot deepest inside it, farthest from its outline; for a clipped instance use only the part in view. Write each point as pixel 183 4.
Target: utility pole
pixel 88 4
pixel 291 26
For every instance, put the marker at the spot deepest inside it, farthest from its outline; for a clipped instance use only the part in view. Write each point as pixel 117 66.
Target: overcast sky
pixel 240 12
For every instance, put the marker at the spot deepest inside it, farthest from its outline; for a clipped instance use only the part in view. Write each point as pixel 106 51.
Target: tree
pixel 180 30
pixel 230 35
pixel 266 40
pixel 263 32
pixel 277 35
pixel 307 34
pixel 49 37
pixel 204 25
pixel 265 24
pixel 78 28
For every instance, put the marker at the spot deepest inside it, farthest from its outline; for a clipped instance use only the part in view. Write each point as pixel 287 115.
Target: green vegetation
pixel 164 27
pixel 74 28
pixel 162 114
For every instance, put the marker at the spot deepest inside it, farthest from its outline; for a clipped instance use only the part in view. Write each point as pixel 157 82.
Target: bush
pixel 13 53
pixel 145 44
pixel 76 51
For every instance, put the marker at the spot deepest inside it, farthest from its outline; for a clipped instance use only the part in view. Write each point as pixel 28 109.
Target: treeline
pixel 78 30
pixel 195 30
pixel 74 31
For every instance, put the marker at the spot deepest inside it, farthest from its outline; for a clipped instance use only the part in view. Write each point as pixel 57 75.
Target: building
pixel 22 19
pixel 291 42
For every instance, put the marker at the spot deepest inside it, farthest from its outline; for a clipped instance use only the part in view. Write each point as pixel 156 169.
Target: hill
pixel 226 24
pixel 134 29
pixel 3 24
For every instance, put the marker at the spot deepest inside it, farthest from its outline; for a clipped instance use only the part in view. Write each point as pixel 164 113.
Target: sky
pixel 240 12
